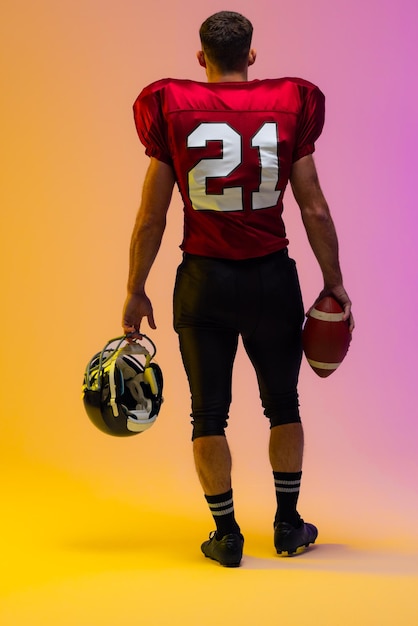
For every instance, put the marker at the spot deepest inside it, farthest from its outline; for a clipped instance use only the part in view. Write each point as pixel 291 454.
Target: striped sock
pixel 287 486
pixel 222 509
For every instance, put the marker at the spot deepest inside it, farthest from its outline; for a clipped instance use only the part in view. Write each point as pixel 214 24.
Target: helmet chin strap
pixel 113 390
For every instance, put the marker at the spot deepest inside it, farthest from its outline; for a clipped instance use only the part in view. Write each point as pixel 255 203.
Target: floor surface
pixel 71 559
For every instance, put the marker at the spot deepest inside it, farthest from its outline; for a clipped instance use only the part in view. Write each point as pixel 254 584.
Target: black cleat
pixel 288 538
pixel 227 551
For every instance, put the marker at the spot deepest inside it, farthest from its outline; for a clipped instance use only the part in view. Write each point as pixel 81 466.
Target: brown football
pixel 326 336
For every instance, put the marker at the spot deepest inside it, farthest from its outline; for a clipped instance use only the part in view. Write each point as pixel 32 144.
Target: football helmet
pixel 122 389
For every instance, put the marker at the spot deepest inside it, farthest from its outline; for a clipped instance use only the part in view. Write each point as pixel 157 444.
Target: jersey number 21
pixel 265 140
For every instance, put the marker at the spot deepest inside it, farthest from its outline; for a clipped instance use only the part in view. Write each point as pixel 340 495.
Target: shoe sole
pixel 234 564
pixel 295 551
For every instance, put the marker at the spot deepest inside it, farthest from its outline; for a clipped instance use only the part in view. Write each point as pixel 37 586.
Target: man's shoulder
pixel 179 94
pixel 302 82
pixel 289 82
pixel 167 83
pixel 185 83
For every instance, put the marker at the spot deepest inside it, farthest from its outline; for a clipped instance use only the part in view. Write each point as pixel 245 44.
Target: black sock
pixel 222 509
pixel 287 493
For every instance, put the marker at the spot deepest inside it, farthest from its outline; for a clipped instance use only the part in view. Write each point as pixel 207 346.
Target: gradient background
pixel 75 501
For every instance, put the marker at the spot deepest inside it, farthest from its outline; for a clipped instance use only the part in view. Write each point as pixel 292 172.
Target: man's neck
pixel 231 77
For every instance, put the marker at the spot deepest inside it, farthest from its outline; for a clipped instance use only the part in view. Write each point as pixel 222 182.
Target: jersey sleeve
pixel 151 125
pixel 311 121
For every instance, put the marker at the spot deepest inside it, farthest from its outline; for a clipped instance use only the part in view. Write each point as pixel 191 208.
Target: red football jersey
pixel 232 146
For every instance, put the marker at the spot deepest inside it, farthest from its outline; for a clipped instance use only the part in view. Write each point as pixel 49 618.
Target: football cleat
pixel 289 539
pixel 227 551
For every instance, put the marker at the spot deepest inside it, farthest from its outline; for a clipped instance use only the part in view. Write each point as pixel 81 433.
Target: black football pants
pixel 218 300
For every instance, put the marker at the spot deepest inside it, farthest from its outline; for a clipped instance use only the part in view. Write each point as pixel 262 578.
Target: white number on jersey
pixel 265 139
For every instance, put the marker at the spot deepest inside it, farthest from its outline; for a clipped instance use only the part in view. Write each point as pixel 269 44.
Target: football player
pixel 232 145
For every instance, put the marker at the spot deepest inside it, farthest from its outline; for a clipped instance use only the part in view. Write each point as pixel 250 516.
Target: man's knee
pixel 280 419
pixel 208 426
pixel 283 412
pixel 282 409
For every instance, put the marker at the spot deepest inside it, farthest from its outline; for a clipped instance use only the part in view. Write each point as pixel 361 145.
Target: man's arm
pixel 320 229
pixel 145 243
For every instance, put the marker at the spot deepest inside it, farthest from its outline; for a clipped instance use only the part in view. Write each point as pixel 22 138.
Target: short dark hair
pixel 226 40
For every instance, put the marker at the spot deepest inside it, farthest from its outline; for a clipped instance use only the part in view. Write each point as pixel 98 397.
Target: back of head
pixel 226 40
